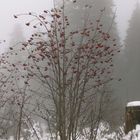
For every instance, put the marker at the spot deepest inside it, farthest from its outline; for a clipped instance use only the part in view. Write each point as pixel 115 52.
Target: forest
pixel 71 76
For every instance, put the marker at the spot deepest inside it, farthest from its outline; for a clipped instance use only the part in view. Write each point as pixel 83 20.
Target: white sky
pixel 10 7
pixel 124 12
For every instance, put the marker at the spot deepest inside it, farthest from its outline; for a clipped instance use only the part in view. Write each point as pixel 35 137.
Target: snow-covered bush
pixel 133 135
pixel 39 132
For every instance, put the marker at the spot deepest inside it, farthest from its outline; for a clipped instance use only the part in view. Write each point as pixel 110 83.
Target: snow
pixel 134 103
pixel 134 134
pixel 102 133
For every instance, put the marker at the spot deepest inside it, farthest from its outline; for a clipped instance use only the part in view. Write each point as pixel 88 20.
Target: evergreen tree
pixel 132 53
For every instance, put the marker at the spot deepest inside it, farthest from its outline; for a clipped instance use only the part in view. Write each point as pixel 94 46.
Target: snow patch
pixel 134 134
pixel 134 103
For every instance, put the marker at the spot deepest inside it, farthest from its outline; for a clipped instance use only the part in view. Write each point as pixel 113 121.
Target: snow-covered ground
pixel 102 134
pixel 134 134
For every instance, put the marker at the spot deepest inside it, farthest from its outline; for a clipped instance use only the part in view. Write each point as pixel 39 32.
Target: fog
pixel 9 8
pixel 124 9
pixel 53 71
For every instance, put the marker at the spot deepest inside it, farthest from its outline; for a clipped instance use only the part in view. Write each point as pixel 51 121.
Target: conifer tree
pixel 132 53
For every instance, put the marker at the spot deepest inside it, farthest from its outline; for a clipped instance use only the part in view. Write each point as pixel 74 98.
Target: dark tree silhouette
pixel 131 53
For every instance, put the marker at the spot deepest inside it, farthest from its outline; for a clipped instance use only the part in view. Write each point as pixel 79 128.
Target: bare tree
pixel 65 73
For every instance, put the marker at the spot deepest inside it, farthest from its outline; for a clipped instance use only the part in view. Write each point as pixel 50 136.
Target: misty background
pixel 9 8
pixel 127 19
pixel 123 9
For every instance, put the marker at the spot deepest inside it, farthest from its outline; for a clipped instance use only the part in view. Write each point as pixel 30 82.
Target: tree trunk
pixel 132 118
